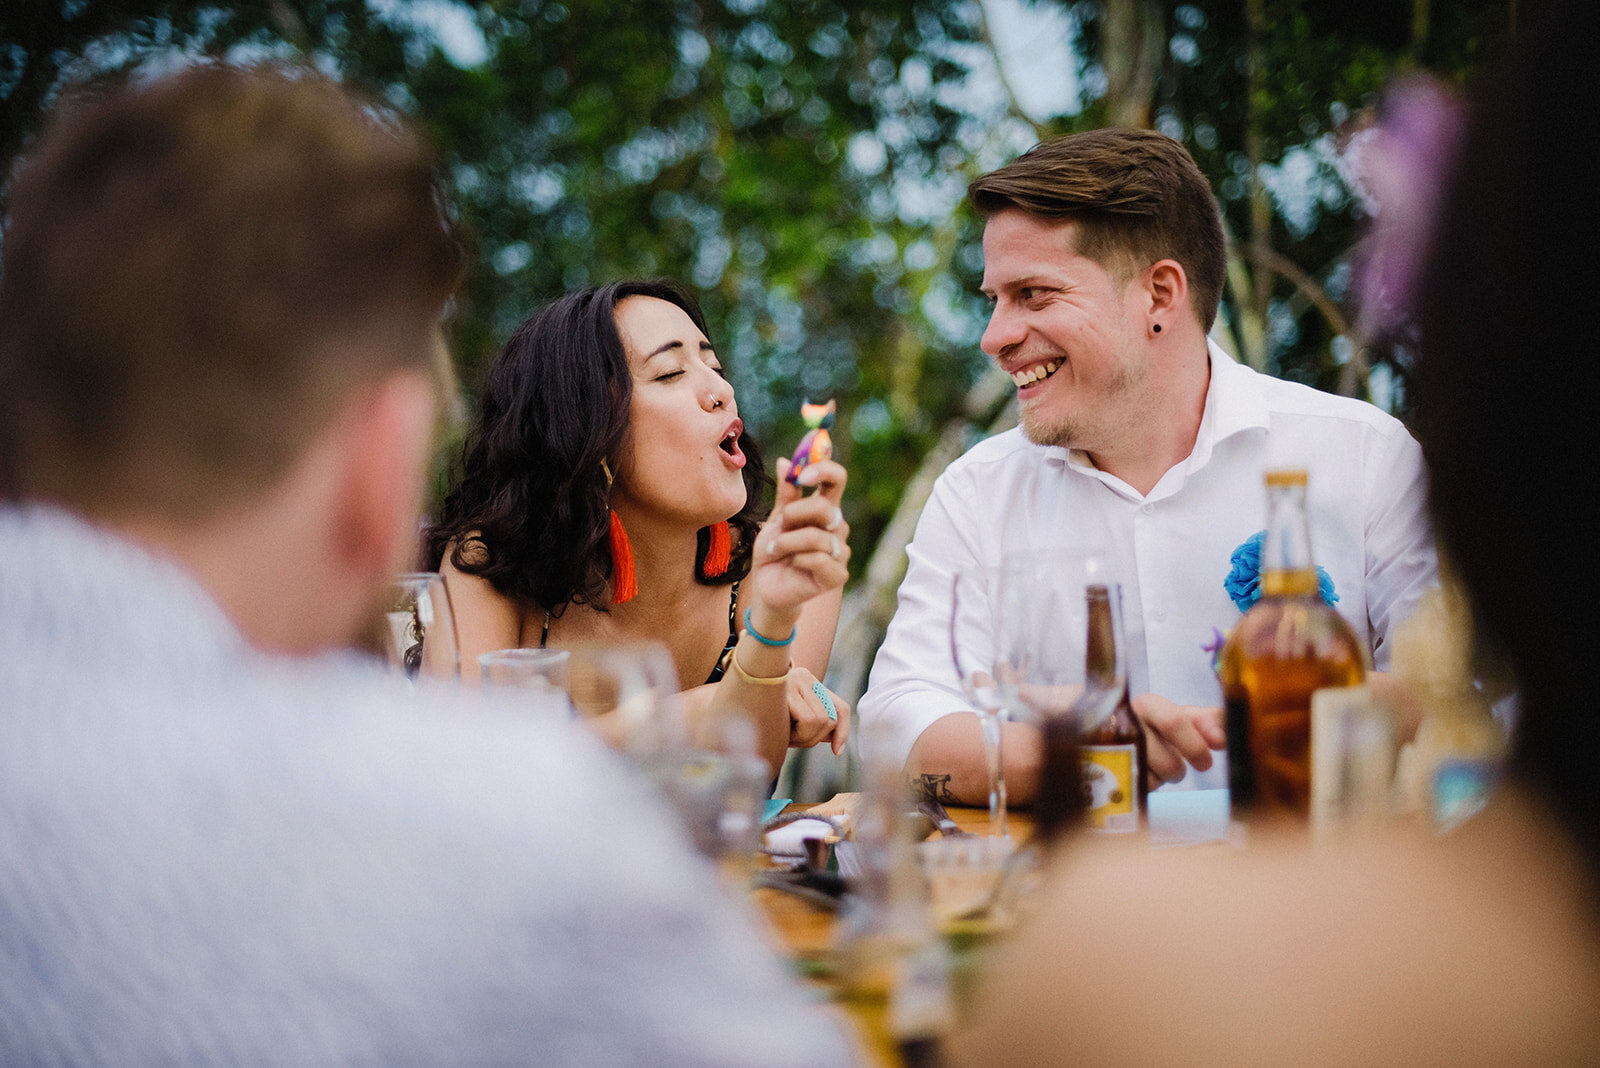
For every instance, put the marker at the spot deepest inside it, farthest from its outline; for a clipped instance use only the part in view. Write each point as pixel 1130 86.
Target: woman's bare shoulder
pixel 486 618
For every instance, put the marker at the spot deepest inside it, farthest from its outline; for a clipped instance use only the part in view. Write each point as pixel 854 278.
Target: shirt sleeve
pixel 913 680
pixel 1401 560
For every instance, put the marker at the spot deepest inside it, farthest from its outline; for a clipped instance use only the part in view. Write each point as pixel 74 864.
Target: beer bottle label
pixel 1110 794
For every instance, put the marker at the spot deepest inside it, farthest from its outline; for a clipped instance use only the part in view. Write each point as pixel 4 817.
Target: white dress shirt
pixel 215 856
pixel 1171 549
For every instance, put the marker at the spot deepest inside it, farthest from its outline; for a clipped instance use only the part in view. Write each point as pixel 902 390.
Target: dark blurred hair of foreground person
pixel 1481 946
pixel 222 843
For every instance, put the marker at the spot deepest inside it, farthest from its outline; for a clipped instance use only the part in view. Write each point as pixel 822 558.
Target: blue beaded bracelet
pixel 750 629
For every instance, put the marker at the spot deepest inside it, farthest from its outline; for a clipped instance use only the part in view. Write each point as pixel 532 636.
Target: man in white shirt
pixel 225 842
pixel 1103 255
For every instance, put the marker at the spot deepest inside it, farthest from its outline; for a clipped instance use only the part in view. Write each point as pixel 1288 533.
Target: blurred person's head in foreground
pixel 1506 389
pixel 219 304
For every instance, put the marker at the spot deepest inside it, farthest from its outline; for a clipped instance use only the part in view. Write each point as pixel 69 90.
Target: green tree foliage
pixel 801 163
pixel 1264 93
pixel 755 150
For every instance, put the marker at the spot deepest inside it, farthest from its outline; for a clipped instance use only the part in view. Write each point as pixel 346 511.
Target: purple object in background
pixel 1399 168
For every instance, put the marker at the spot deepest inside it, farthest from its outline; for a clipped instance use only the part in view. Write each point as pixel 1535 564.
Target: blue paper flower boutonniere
pixel 1244 580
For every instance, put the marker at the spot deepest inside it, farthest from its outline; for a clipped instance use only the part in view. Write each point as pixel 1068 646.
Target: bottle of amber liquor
pixel 1111 747
pixel 1287 647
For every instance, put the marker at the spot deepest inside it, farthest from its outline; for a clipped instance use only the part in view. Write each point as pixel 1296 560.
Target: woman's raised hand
pixel 803 549
pixel 800 555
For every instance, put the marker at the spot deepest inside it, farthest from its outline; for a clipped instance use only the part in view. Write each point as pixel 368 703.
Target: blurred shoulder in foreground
pixel 1476 948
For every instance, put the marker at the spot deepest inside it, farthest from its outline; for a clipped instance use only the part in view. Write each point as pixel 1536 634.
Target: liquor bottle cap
pixel 1288 476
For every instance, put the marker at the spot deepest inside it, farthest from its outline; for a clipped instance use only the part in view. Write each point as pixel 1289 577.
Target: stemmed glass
pixel 1041 634
pixel 420 630
pixel 974 641
pixel 628 693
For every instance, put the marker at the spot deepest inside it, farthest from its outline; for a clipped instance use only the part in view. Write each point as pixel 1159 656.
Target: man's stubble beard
pixel 1062 432
pixel 1077 432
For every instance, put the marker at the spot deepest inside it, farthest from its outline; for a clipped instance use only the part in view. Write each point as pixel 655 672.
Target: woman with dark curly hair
pixel 608 491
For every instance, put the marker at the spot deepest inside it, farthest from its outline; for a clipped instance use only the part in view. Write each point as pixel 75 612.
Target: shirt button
pixel 1159 615
pixel 1147 508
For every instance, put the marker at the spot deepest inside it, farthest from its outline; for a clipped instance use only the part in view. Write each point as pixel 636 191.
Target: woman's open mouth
pixel 730 444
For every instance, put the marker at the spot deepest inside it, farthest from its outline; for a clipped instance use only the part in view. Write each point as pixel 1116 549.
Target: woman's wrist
pixel 752 679
pixel 770 628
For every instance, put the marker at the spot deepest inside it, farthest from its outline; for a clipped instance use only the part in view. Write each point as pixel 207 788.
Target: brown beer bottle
pixel 1289 645
pixel 1111 747
pixel 1058 804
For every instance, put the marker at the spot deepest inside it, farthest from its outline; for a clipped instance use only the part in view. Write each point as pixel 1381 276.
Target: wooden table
pixel 806 933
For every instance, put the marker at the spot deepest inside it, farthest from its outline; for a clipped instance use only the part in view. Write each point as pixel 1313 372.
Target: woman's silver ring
pixel 827 700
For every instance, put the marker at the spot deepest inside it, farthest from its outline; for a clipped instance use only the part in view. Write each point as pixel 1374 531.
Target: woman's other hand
pixel 809 722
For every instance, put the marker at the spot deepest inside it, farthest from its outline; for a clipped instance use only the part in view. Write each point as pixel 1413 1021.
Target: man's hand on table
pixel 947 762
pixel 1177 736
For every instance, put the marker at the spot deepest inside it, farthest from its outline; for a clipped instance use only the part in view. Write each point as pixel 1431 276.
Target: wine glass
pixel 1041 627
pixel 530 670
pixel 628 693
pixel 1042 638
pixel 973 643
pixel 420 629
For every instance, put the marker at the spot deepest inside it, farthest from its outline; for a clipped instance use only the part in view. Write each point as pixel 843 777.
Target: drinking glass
pixel 420 635
pixel 1041 628
pixel 710 774
pixel 530 670
pixel 628 692
pixel 1042 636
pixel 973 643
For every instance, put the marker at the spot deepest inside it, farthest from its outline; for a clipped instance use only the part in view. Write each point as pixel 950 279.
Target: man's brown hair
pixel 197 271
pixel 1137 197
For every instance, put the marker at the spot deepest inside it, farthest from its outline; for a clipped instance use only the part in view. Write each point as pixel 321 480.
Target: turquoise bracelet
pixel 762 638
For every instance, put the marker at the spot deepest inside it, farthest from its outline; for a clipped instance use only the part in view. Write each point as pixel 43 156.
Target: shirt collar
pixel 1234 405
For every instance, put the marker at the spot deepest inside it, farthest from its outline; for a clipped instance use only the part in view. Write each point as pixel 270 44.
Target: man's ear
pixel 1168 289
pixel 387 440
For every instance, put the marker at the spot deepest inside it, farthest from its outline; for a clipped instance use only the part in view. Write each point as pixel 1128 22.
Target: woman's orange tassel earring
pixel 719 551
pixel 624 584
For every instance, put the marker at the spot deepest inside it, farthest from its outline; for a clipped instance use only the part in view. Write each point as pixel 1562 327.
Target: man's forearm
pixel 947 761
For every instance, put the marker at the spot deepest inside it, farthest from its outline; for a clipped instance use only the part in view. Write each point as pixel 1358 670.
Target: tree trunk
pixel 1132 37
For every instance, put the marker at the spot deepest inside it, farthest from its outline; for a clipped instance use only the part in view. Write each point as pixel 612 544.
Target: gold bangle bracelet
pixel 756 680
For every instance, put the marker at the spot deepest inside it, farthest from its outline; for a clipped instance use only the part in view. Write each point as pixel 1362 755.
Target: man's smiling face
pixel 1069 333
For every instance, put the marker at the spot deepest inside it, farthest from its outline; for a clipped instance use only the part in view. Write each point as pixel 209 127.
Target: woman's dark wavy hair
pixel 531 487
